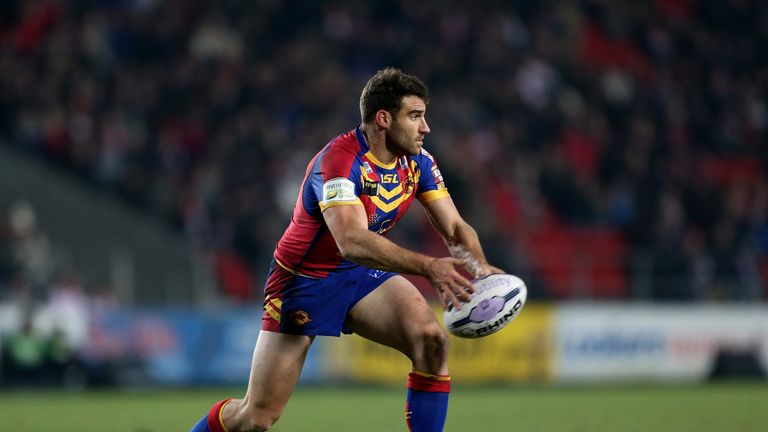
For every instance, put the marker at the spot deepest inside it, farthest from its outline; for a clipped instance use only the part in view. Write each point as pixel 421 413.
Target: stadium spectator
pixel 24 356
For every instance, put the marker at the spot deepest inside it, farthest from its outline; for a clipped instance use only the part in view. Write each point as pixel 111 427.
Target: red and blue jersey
pixel 345 172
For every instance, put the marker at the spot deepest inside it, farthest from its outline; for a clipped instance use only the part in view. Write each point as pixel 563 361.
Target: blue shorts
pixel 302 305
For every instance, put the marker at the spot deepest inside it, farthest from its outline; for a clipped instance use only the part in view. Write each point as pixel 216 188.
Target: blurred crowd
pixel 46 309
pixel 602 149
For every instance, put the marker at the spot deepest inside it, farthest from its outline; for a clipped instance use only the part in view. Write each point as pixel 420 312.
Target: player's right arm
pixel 349 227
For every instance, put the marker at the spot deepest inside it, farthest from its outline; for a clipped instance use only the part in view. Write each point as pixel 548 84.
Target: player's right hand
pixel 451 286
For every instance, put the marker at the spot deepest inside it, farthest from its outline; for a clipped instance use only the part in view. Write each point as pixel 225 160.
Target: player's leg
pixel 277 362
pixel 397 315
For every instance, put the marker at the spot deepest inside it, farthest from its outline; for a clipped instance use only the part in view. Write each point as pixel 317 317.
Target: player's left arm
pixel 459 236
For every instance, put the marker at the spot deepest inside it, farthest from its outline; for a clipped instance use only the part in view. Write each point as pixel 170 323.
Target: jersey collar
pixel 367 151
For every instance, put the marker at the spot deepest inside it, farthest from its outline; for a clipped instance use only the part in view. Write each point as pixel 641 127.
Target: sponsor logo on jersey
pixel 367 167
pixel 389 178
pixel 370 187
pixel 338 190
pixel 437 174
pixel 403 163
pixel 385 226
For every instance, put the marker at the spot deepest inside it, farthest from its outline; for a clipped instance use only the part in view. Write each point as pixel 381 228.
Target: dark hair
pixel 386 90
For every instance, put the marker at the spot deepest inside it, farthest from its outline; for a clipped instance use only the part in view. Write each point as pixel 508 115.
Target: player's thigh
pixel 394 314
pixel 277 362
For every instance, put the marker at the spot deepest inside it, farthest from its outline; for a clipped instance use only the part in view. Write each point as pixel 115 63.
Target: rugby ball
pixel 497 300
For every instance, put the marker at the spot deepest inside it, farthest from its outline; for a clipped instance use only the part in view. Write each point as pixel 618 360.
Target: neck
pixel 377 142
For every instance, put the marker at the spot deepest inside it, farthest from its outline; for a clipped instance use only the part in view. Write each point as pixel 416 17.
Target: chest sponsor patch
pixel 370 187
pixel 338 190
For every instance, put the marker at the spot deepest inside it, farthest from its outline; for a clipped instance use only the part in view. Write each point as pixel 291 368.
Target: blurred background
pixel 612 154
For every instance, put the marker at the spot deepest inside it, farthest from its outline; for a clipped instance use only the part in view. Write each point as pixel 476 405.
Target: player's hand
pixel 451 286
pixel 488 269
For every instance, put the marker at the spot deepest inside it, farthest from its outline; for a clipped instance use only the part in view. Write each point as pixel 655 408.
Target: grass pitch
pixel 713 407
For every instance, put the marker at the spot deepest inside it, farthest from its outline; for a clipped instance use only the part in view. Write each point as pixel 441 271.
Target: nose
pixel 423 126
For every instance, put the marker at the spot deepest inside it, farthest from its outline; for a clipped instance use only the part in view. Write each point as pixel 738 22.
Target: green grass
pixel 714 407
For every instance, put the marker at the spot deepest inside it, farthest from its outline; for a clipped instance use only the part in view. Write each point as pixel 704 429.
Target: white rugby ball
pixel 497 300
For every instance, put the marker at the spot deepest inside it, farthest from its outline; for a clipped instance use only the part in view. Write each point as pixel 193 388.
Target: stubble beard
pixel 402 145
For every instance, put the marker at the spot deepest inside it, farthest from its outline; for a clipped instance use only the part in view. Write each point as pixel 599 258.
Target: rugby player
pixel 334 271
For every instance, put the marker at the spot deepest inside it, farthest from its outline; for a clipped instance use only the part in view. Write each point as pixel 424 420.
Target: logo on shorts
pixel 298 318
pixel 376 273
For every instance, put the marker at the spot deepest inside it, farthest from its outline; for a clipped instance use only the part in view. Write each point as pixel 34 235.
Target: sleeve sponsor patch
pixel 338 190
pixel 436 173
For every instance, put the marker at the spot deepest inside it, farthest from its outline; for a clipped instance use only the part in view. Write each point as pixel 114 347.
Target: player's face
pixel 409 127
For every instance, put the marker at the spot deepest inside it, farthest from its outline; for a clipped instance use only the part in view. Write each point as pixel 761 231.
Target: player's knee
pixel 433 342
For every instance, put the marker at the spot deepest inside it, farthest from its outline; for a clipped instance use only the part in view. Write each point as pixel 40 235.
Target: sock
pixel 427 403
pixel 211 422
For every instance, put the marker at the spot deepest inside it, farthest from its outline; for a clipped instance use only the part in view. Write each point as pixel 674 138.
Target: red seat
pixel 580 262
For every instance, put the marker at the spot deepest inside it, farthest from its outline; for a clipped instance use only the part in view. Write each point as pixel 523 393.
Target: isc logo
pixel 389 178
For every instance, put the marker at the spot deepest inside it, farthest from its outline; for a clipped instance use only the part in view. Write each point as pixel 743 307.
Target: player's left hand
pixel 488 269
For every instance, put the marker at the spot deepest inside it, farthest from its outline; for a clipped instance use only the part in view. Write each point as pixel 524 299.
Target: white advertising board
pixel 660 342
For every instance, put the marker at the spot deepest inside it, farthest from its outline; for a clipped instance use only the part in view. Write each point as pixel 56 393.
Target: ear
pixel 383 119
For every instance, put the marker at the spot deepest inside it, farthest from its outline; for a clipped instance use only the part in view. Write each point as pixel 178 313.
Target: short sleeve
pixel 335 178
pixel 431 185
